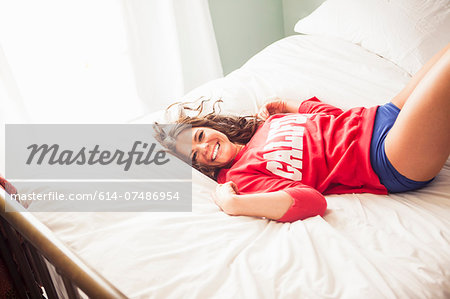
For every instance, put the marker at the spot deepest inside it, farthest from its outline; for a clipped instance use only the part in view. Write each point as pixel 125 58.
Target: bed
pixel 365 246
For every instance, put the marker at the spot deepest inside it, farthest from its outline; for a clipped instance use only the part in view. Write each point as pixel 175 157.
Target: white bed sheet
pixel 366 246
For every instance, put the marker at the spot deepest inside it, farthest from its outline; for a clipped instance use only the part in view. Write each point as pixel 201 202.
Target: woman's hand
pixel 224 197
pixel 277 105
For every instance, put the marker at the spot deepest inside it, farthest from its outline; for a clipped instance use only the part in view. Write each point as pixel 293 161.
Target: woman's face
pixel 206 146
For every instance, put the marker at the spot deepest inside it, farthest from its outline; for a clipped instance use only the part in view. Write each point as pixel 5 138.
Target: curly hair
pixel 238 129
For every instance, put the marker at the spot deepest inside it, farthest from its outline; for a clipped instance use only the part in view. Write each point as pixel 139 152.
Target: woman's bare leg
pixel 400 99
pixel 419 142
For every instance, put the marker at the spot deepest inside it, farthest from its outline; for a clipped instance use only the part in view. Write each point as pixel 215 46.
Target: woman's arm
pixel 272 205
pixel 287 205
pixel 278 105
pixel 312 105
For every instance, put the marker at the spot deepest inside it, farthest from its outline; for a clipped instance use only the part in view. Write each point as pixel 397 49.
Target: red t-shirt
pixel 321 150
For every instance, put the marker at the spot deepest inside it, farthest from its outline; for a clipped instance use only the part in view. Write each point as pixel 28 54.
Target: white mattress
pixel 366 246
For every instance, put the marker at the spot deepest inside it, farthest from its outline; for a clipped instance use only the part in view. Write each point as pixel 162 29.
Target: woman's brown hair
pixel 238 129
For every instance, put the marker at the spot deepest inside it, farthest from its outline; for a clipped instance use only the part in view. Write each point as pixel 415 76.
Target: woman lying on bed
pixel 279 164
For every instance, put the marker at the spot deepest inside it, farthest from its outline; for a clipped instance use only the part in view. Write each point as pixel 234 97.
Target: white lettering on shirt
pixel 277 168
pixel 284 146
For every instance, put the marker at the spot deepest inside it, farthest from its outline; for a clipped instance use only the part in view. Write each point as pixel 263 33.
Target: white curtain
pixel 12 109
pixel 173 48
pixel 102 61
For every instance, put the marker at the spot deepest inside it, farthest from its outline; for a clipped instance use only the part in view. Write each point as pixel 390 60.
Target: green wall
pixel 294 10
pixel 245 27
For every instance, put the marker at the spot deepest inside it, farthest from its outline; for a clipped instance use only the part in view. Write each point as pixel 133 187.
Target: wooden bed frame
pixel 32 253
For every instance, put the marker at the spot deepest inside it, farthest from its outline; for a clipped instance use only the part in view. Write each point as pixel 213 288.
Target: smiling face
pixel 209 147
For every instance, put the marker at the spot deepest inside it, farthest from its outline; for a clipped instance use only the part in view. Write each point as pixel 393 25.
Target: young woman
pixel 279 164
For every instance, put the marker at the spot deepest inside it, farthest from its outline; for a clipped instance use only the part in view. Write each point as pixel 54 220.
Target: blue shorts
pixel 389 176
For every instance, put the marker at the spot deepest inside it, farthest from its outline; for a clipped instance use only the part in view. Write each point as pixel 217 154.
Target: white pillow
pixel 407 32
